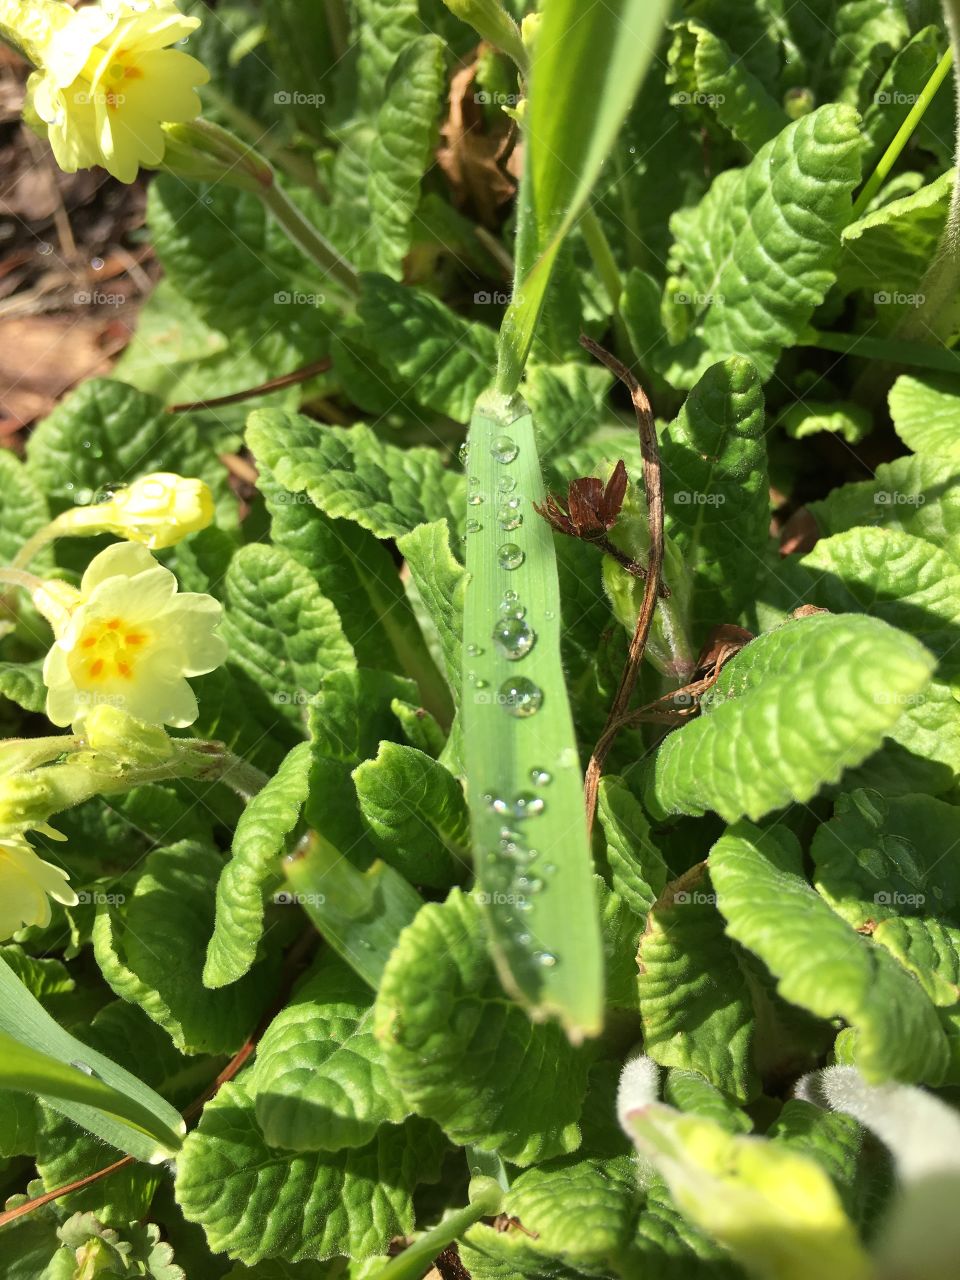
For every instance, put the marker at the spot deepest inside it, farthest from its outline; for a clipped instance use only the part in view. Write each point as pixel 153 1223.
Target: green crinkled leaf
pixel 259 840
pixel 919 495
pixel 694 1000
pixel 349 473
pixel 567 402
pixel 690 1091
pixel 709 76
pixel 926 413
pixel 342 556
pixel 23 507
pixel 886 867
pixel 446 361
pixel 151 952
pixel 820 961
pixel 637 869
pixel 19 1114
pixel 716 493
pixel 867 35
pixel 42 976
pixel 887 252
pixel 385 28
pixel 240 271
pixel 441 581
pixel 892 576
pixel 320 1082
pixel 348 720
pixel 402 149
pixel 255 1203
pixel 417 811
pixel 282 631
pixel 22 683
pixel 794 709
pixel 833 1139
pixel 581 1214
pixel 451 1039
pixel 844 418
pixel 419 728
pixel 898 90
pixel 107 433
pixel 755 257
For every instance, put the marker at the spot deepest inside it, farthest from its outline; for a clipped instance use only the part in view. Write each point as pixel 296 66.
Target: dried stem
pixel 653 488
pixel 265 388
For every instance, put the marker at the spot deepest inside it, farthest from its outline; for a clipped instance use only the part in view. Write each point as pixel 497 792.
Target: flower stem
pixel 414 1261
pixel 903 135
pixel 308 239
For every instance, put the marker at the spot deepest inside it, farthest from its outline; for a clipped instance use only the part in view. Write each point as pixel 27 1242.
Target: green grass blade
pixel 534 869
pixel 589 60
pixel 38 1056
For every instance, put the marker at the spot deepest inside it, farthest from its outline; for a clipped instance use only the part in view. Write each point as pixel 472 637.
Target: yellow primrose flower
pixel 107 82
pixel 130 640
pixel 26 884
pixel 159 509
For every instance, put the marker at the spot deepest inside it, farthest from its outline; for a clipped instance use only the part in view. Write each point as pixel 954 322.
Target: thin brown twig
pixel 653 489
pixel 265 388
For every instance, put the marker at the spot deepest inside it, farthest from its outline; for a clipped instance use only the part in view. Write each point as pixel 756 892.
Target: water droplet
pixel 504 449
pixel 568 758
pixel 507 484
pixel 514 638
pixel 474 650
pixel 510 597
pixel 473 526
pixel 527 805
pixel 545 959
pixel 540 777
pixel 463 453
pixel 523 939
pixel 480 684
pixel 499 805
pixel 474 496
pixel 549 615
pixel 510 556
pixel 509 514
pixel 521 697
pixel 82 1066
pixel 549 868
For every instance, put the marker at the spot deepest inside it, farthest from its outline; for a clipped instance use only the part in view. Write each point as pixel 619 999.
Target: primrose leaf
pixel 918 495
pixel 450 1039
pixel 897 93
pixel 694 1000
pixel 402 148
pixel 254 1202
pixel 418 813
pixel 23 507
pixel 567 403
pixel 887 252
pixel 716 491
pixel 319 1081
pixel 259 840
pixel 845 680
pixel 821 962
pixel 281 630
pixel 637 869
pixel 926 413
pixel 441 581
pixel 706 70
pixel 105 432
pixel 842 418
pixel 350 474
pixel 885 867
pixel 445 360
pixel 241 272
pixel 22 683
pixel 151 953
pixel 755 257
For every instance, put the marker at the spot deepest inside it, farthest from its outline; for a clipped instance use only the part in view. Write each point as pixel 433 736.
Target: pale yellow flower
pixel 130 641
pixel 26 885
pixel 159 509
pixel 108 81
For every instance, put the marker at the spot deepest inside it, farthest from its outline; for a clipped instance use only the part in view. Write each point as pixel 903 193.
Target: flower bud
pixel 158 510
pixel 490 20
pixel 112 731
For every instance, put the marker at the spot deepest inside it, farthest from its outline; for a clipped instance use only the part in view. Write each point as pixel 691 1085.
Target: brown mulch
pixel 74 268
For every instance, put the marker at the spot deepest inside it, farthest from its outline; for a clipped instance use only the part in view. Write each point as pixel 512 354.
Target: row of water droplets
pixel 513 638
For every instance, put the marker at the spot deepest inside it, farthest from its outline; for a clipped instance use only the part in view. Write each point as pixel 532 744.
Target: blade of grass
pixel 533 863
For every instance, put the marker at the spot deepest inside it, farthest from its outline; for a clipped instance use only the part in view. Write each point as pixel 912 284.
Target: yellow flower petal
pixel 26 881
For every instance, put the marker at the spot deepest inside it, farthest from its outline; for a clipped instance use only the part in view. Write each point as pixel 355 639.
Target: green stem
pixel 338 24
pixel 903 135
pixel 308 239
pixel 237 774
pixel 917 355
pixel 486 1199
pixel 607 269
